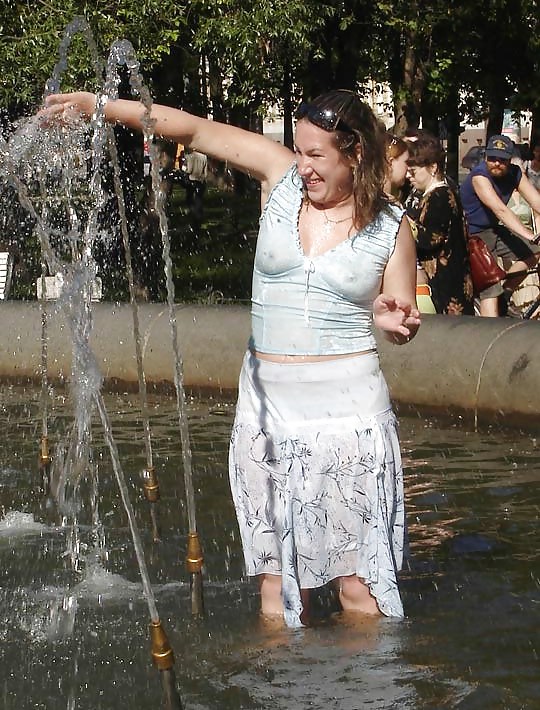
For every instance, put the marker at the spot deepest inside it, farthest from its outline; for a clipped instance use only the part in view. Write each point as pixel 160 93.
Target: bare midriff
pixel 273 357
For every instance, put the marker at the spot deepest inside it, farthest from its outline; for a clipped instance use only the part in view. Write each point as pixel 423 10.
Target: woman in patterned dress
pixel 315 466
pixel 441 241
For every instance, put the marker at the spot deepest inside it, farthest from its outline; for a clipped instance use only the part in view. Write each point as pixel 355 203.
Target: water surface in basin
pixel 79 639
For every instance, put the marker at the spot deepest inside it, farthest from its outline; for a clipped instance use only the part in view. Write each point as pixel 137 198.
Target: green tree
pixel 32 33
pixel 261 48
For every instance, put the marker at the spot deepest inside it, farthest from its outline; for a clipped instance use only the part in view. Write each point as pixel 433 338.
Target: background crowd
pixel 498 202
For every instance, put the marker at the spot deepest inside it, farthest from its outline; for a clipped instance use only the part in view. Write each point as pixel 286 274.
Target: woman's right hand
pixel 68 108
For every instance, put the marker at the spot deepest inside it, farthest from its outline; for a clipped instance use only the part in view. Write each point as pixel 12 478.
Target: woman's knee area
pixel 352 586
pixel 270 582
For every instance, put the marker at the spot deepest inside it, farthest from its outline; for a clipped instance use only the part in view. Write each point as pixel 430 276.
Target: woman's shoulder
pixel 441 194
pixel 386 223
pixel 392 210
pixel 286 192
pixel 290 178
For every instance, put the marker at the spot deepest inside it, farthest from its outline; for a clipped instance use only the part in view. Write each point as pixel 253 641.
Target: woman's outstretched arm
pixel 263 159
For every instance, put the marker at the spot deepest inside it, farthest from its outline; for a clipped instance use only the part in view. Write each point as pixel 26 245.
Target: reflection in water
pixel 79 639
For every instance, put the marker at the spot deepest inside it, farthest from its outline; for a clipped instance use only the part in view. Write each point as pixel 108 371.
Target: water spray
pixel 162 654
pixel 44 463
pixel 79 276
pixel 45 459
pixel 149 476
pixel 123 53
pixel 152 494
pixel 163 658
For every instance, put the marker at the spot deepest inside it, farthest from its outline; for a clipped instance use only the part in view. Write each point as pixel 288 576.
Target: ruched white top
pixel 319 305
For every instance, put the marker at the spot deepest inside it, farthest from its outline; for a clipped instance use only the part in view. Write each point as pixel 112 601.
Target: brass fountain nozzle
pixel 162 653
pixel 44 455
pixel 150 484
pixel 194 557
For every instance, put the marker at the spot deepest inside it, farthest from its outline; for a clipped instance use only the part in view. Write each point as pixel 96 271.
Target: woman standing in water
pixel 315 466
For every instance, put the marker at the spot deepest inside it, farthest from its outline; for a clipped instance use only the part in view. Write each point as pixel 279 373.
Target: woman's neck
pixel 339 205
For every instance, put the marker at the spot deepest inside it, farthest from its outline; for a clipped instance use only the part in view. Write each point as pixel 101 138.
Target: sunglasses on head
pixel 325 118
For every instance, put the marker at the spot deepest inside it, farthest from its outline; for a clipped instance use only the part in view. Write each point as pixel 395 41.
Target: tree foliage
pixel 266 53
pixel 256 41
pixel 32 32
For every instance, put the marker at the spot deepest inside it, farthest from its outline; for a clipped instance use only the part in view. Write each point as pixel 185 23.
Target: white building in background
pixel 519 130
pixel 380 99
pixel 273 127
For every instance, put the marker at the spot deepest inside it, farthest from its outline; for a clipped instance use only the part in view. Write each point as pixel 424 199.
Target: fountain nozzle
pixel 44 455
pixel 194 557
pixel 150 484
pixel 162 653
pixel 44 463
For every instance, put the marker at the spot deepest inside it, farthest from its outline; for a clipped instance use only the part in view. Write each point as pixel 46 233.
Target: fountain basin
pixel 488 367
pixel 81 640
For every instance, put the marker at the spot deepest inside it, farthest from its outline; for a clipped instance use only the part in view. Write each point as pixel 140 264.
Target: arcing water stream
pixel 57 173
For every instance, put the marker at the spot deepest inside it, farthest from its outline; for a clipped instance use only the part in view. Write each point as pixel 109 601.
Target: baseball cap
pixel 500 147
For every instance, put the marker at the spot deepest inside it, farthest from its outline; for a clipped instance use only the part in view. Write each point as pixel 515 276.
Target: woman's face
pixel 421 176
pixel 326 173
pixel 398 169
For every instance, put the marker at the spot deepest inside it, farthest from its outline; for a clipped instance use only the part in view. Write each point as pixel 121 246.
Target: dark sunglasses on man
pixel 495 159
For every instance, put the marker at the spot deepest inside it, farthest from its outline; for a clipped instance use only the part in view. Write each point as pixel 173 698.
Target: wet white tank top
pixel 318 305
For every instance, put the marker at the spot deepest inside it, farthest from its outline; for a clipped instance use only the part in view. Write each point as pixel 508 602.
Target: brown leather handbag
pixel 485 270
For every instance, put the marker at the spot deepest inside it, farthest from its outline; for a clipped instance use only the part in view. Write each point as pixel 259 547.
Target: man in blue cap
pixel 485 193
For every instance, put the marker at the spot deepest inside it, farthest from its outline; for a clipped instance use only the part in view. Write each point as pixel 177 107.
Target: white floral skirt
pixel 316 477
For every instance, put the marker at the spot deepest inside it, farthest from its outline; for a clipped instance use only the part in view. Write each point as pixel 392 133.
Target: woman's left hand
pixel 399 320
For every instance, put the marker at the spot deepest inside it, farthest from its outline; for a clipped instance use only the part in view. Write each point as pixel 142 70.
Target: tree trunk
pixel 215 85
pixel 452 146
pixel 535 126
pixel 217 169
pixel 495 117
pixel 408 96
pixel 168 78
pixel 240 116
pixel 431 112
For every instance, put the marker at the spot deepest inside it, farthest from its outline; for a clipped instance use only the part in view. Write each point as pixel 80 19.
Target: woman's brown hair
pixel 394 146
pixel 427 150
pixel 354 124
